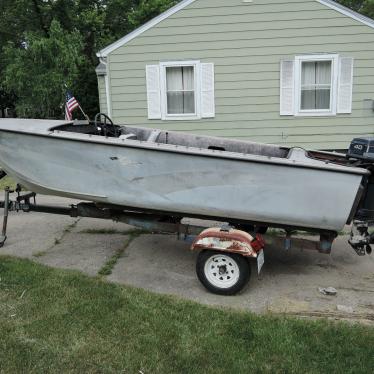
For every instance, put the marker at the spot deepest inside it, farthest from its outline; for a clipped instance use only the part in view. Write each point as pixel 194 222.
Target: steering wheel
pixel 106 127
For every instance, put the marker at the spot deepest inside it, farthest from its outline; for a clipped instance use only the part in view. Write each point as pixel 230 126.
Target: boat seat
pixel 298 154
pixel 153 136
pixel 128 137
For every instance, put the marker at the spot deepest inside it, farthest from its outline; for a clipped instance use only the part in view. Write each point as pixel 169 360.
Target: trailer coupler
pixel 360 238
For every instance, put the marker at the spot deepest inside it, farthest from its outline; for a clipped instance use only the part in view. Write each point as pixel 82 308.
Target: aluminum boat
pixel 181 173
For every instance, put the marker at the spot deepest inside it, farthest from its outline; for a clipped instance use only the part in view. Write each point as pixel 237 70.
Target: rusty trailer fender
pixel 232 241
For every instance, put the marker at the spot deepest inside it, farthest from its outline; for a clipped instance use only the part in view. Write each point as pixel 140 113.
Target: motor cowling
pixel 362 149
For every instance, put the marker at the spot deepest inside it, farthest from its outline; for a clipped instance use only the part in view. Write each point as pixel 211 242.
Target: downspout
pixel 103 70
pixel 107 90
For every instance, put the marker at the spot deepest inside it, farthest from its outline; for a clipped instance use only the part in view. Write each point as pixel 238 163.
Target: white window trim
pixel 197 84
pixel 334 58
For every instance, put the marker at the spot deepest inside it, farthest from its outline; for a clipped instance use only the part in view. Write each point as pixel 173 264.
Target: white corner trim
pixel 348 12
pixel 107 94
pixel 153 22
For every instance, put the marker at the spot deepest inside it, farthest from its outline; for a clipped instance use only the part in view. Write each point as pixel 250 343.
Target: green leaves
pixel 37 71
pixel 148 9
pixel 45 43
pixel 366 7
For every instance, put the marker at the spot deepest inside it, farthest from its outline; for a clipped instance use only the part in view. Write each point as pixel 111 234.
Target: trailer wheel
pixel 222 273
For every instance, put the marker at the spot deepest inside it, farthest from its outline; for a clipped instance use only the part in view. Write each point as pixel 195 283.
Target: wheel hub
pixel 222 271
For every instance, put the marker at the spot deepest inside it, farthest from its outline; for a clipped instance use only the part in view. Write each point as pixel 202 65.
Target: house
pixel 289 72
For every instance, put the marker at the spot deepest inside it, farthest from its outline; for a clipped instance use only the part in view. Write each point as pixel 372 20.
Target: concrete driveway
pixel 288 283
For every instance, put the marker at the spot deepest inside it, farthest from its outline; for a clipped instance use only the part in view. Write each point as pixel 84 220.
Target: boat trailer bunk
pixel 223 265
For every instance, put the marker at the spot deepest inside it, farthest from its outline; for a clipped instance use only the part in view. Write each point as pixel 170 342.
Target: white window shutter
pixel 153 91
pixel 345 85
pixel 207 91
pixel 287 88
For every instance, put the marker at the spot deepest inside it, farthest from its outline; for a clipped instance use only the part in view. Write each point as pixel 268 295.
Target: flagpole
pixel 85 115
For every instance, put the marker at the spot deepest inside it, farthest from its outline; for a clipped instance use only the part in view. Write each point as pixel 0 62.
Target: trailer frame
pixel 231 240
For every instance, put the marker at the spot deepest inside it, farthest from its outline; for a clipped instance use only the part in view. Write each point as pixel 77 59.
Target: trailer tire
pixel 222 273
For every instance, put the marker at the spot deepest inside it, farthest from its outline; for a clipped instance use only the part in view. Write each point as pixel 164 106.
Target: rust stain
pixel 233 241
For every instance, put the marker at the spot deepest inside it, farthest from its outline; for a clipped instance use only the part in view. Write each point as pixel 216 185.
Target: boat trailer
pixel 222 264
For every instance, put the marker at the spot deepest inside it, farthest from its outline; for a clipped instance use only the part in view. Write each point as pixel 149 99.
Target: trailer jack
pixel 5 219
pixel 22 203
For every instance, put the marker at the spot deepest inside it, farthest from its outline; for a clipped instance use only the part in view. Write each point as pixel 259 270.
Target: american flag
pixel 70 105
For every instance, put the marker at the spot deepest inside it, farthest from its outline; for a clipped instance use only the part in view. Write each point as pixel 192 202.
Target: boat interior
pixel 108 129
pixel 177 138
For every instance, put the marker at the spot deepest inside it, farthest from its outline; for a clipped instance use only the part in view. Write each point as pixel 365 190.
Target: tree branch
pixel 38 11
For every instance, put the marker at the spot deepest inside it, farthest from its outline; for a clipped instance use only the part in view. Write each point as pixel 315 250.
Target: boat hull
pixel 194 184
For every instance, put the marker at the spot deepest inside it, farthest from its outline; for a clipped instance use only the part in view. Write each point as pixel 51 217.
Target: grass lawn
pixel 61 321
pixel 7 181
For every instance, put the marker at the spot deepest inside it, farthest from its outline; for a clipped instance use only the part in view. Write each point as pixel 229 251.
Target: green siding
pixel 246 42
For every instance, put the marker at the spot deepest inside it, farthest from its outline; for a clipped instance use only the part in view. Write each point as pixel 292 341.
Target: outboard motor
pixel 361 151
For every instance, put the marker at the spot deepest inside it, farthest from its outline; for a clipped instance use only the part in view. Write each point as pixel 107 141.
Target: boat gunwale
pixel 181 149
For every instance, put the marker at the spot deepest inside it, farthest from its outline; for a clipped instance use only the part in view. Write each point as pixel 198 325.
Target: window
pixel 316 85
pixel 182 90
